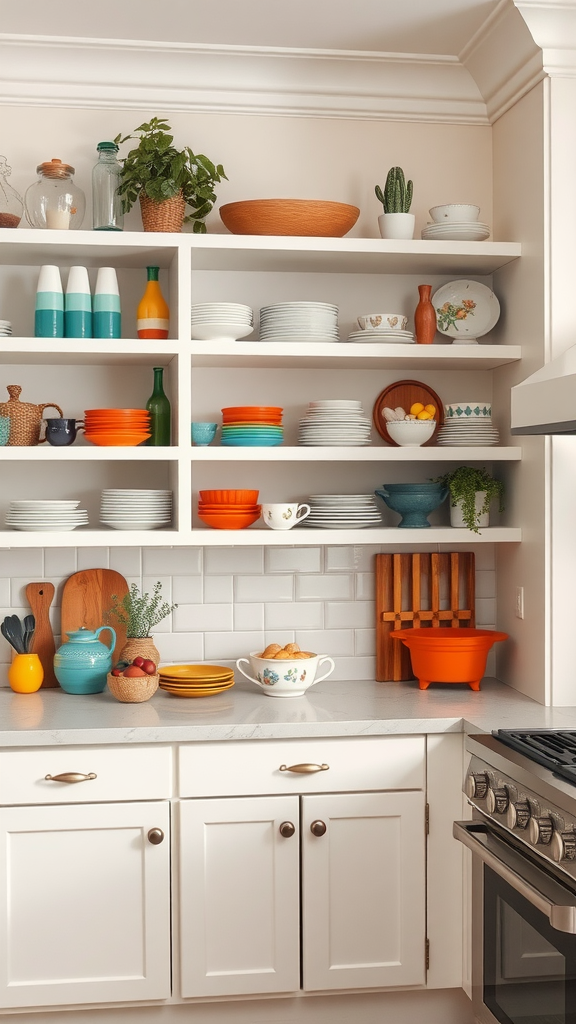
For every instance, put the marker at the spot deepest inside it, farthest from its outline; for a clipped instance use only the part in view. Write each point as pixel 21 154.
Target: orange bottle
pixel 153 314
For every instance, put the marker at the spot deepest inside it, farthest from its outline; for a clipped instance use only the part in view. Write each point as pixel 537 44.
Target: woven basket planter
pixel 165 216
pixel 140 647
pixel 133 690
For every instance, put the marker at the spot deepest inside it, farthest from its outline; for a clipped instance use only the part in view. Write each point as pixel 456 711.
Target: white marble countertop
pixel 332 708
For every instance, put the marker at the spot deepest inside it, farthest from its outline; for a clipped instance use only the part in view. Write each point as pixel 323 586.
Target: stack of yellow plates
pixel 195 680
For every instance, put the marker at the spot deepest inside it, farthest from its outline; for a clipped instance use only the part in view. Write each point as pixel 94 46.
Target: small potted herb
pixel 396 199
pixel 139 613
pixel 166 180
pixel 471 491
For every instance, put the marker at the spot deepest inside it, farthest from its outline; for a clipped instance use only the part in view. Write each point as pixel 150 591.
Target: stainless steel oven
pixel 523 842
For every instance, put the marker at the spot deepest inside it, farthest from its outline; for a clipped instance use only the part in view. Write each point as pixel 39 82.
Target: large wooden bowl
pixel 289 217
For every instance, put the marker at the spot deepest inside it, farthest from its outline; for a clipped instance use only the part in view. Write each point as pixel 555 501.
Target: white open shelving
pixel 185 258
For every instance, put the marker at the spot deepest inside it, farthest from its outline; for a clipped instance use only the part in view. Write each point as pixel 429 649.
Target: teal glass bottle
pixel 159 409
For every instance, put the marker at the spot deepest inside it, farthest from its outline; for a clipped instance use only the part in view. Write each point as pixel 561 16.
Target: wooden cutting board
pixel 87 596
pixel 40 597
pixel 422 590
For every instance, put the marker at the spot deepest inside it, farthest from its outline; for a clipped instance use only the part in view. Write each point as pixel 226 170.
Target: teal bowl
pixel 414 502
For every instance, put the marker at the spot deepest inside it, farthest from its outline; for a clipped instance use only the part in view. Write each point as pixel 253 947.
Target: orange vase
pixel 153 314
pixel 25 674
pixel 424 316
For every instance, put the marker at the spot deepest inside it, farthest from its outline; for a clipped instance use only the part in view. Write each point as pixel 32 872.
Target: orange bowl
pixel 110 439
pixel 447 655
pixel 207 507
pixel 229 497
pixel 230 521
pixel 318 217
pixel 116 412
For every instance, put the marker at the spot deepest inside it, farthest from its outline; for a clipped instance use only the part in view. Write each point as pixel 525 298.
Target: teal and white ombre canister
pixel 78 305
pixel 49 313
pixel 106 318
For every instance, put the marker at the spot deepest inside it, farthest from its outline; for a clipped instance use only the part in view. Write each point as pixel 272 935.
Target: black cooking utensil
pixel 29 627
pixel 12 632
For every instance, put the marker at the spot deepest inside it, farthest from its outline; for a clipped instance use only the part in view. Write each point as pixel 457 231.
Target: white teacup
pixel 284 517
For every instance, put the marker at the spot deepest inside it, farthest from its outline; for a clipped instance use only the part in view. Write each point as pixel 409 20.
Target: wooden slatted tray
pixel 422 590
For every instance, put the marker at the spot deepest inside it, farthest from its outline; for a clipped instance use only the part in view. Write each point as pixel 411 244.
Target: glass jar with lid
pixel 54 201
pixel 11 204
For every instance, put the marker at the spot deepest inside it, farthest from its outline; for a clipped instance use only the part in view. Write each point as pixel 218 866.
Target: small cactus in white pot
pixel 396 199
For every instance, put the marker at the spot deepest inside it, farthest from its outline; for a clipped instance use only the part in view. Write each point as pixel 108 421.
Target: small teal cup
pixel 4 429
pixel 203 433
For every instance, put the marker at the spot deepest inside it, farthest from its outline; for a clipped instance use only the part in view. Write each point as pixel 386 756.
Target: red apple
pixel 116 672
pixel 139 662
pixel 149 667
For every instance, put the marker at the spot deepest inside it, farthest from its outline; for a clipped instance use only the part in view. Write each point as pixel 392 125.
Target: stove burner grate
pixel 553 748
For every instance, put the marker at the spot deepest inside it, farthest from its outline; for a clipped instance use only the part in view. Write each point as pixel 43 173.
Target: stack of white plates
pixel 334 422
pixel 5 328
pixel 381 337
pixel 457 231
pixel 221 321
pixel 299 321
pixel 343 511
pixel 136 509
pixel 53 516
pixel 473 432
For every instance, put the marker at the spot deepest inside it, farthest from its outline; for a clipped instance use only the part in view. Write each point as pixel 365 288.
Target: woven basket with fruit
pixel 133 682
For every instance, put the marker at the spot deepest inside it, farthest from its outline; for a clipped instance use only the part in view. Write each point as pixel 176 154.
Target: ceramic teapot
pixel 82 664
pixel 25 417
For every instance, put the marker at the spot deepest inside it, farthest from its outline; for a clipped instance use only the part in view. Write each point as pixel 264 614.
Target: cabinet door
pixel 84 904
pixel 363 902
pixel 239 889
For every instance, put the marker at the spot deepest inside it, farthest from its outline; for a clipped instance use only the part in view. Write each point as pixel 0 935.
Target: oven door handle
pixel 506 863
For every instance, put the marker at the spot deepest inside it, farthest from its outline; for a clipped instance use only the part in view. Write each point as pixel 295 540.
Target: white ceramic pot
pixel 286 678
pixel 456 518
pixel 396 225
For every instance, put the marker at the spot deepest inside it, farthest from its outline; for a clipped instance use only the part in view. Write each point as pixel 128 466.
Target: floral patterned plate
pixel 465 310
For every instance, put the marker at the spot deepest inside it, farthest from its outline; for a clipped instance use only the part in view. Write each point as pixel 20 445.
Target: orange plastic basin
pixel 448 655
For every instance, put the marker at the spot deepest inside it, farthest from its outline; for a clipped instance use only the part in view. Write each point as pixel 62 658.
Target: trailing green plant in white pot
pixel 396 198
pixel 471 491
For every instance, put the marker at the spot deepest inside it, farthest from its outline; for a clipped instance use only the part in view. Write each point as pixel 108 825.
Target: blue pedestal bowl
pixel 414 502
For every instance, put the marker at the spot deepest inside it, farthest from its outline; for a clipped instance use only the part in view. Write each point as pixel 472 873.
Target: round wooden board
pixel 404 393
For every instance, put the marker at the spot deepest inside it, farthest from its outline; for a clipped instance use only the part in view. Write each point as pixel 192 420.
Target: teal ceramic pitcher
pixel 82 664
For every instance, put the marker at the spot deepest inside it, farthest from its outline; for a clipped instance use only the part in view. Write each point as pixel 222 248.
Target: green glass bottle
pixel 159 408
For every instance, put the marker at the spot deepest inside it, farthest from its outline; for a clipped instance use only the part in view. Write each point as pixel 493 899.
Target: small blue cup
pixel 203 433
pixel 4 429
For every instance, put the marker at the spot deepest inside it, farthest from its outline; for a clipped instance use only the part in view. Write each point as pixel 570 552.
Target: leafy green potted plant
pixel 166 180
pixel 471 490
pixel 139 612
pixel 396 198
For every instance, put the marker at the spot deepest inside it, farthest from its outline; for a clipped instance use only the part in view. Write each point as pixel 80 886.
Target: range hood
pixel 545 403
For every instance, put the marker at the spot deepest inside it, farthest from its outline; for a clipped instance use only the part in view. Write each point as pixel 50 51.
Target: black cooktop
pixel 553 748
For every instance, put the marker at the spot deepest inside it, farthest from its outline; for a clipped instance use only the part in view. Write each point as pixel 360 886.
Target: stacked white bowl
pixel 131 509
pixel 5 328
pixel 334 422
pixel 52 516
pixel 456 222
pixel 343 511
pixel 221 321
pixel 468 424
pixel 299 321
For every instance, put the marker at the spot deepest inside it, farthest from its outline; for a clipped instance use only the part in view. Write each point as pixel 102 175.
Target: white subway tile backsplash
pixel 264 588
pixel 325 588
pixel 365 586
pixel 349 614
pixel 355 668
pixel 187 589
pixel 180 647
pixel 326 641
pixel 229 646
pixel 357 558
pixel 294 616
pixel 485 583
pixel 218 589
pixel 92 558
pixel 365 642
pixel 293 559
pixel 248 617
pixel 5 591
pixel 62 561
pixel 201 618
pixel 127 561
pixel 172 561
pixel 232 560
pixel 22 562
pixel 485 610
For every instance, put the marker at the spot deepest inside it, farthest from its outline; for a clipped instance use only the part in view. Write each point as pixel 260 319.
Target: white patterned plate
pixel 465 310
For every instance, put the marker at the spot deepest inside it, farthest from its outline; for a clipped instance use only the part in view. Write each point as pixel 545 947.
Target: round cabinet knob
pixel 155 836
pixel 540 831
pixel 476 785
pixel 518 814
pixel 287 829
pixel 318 828
pixel 497 800
pixel 563 846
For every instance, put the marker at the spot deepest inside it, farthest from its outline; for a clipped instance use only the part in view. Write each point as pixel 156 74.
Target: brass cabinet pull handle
pixel 70 777
pixel 318 828
pixel 287 829
pixel 155 836
pixel 304 769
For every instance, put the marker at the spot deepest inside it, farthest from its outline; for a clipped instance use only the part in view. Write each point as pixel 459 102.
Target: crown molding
pixel 134 74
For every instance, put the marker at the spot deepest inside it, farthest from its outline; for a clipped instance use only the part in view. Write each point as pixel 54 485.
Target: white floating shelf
pixel 85 453
pixel 371 453
pixel 88 351
pixel 333 355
